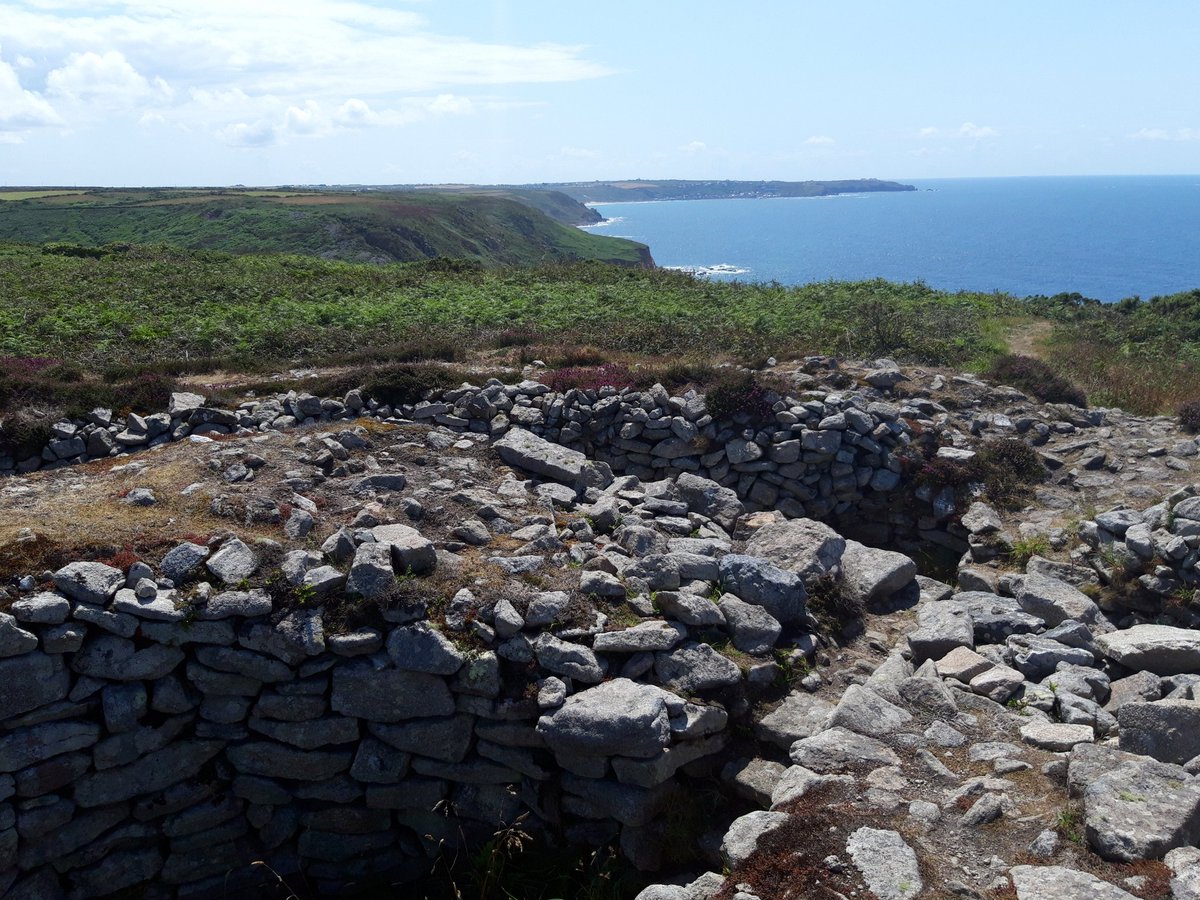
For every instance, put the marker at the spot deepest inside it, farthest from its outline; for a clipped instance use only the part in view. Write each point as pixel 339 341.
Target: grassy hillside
pixel 557 205
pixel 492 229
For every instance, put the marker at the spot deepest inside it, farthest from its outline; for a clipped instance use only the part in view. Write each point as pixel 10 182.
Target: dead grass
pixel 78 513
pixel 1137 385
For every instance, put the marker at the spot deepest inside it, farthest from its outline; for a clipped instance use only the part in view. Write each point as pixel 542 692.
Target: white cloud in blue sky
pixel 287 91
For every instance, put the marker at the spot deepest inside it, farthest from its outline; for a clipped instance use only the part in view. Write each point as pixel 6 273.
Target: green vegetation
pixel 510 284
pixel 33 195
pixel 153 304
pixel 1025 548
pixel 1005 467
pixel 496 228
pixel 1036 378
pixel 1142 356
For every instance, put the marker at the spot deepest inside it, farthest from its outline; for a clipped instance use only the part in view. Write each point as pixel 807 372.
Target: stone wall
pixel 821 454
pixel 172 737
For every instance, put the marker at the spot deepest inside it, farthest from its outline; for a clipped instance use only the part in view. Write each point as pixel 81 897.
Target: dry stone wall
pixel 820 454
pixel 170 737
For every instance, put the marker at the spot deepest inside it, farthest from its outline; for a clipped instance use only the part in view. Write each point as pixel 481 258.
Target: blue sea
pixel 1104 237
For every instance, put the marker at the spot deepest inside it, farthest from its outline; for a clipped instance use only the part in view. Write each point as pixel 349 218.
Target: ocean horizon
pixel 1106 237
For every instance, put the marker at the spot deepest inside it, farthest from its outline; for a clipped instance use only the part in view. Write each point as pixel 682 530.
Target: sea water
pixel 1103 237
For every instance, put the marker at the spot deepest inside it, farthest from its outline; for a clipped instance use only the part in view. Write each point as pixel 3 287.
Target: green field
pixel 34 195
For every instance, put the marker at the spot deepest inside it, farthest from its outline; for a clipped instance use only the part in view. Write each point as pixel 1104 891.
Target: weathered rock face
pixel 1140 810
pixel 618 718
pixel 870 574
pixel 1060 883
pixel 1161 649
pixel 1167 730
pixel 526 450
pixel 808 548
pixel 888 864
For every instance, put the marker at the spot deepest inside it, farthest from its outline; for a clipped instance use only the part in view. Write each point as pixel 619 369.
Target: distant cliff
pixel 674 189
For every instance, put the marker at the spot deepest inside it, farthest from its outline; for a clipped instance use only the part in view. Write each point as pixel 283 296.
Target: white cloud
pixel 820 140
pixel 967 130
pixel 1163 134
pixel 973 131
pixel 250 71
pixel 355 113
pixel 21 109
pixel 276 124
pixel 87 76
pixel 249 134
pixel 449 104
pixel 694 147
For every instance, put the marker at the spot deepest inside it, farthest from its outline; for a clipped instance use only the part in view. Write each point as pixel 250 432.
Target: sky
pixel 266 92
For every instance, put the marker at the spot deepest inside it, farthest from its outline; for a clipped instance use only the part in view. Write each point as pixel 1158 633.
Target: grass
pixel 34 195
pixel 1025 548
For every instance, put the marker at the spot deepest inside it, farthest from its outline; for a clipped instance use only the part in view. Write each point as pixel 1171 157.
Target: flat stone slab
pixel 804 546
pixel 800 715
pixel 865 712
pixel 89 582
pixel 1054 601
pixel 1140 809
pixel 1161 649
pixel 887 863
pixel 619 717
pixel 839 750
pixel 525 450
pixel 1056 737
pixel 962 664
pixel 1060 883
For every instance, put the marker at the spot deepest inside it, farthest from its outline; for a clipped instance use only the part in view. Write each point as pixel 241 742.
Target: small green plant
pixel 1070 824
pixel 1021 707
pixel 1130 797
pixel 1118 565
pixel 304 594
pixel 1025 548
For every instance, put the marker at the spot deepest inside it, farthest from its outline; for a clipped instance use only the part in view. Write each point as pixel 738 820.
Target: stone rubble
pixel 587 646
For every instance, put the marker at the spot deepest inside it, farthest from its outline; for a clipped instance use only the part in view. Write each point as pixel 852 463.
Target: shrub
pixel 589 378
pixel 1189 416
pixel 24 433
pixel 1033 376
pixel 1006 467
pixel 407 384
pixel 679 375
pixel 739 395
pixel 575 357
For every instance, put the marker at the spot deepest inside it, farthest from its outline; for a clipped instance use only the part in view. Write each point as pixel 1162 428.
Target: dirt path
pixel 1025 339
